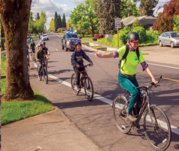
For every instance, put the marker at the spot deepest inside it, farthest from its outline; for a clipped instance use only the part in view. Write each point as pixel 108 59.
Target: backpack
pixel 125 56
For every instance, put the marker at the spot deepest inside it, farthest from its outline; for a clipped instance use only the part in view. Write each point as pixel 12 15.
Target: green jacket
pixel 40 55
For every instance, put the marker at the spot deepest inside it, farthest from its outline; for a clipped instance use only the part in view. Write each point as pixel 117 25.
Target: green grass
pixel 84 42
pixel 3 64
pixel 18 110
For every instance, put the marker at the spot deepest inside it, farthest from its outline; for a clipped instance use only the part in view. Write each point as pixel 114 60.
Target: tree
pixel 38 16
pixel 147 6
pixel 52 26
pixel 107 11
pixel 84 16
pixel 64 21
pixel 165 20
pixel 136 24
pixel 128 7
pixel 68 24
pixel 59 22
pixel 55 21
pixel 15 23
pixel 176 23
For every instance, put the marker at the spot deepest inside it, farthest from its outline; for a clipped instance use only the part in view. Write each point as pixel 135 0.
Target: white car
pixel 45 37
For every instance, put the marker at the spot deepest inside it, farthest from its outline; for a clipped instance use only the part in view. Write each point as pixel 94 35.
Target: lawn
pixel 3 64
pixel 95 47
pixel 84 42
pixel 18 110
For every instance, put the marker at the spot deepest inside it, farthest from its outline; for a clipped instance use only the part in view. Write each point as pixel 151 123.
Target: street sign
pixel 117 22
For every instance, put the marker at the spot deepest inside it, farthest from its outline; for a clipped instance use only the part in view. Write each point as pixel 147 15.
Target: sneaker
pixel 131 118
pixel 78 88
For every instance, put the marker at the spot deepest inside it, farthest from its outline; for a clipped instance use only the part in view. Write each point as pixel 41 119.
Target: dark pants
pixel 40 66
pixel 78 71
pixel 130 84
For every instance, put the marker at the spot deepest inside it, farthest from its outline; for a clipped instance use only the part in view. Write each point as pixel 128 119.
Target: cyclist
pixel 40 55
pixel 45 49
pixel 77 62
pixel 127 77
pixel 32 47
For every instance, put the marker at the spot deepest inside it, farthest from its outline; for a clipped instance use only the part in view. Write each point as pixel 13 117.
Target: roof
pixel 148 20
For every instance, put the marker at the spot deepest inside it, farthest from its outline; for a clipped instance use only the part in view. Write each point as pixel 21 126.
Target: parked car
pixel 69 39
pixel 169 38
pixel 45 37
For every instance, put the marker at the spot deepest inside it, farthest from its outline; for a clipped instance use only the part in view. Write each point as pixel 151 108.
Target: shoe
pixel 78 88
pixel 131 118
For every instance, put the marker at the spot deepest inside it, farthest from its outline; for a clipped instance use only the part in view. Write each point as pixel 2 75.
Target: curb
pixel 94 50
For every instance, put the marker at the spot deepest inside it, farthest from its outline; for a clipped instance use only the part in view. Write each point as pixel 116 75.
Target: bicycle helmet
pixel 31 40
pixel 133 36
pixel 43 43
pixel 77 43
pixel 39 45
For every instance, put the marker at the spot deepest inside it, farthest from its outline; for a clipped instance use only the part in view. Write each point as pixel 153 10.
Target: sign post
pixel 117 25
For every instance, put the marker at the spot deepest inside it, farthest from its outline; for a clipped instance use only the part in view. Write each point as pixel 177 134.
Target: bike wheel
pixel 120 105
pixel 74 84
pixel 45 75
pixel 157 128
pixel 88 87
pixel 39 76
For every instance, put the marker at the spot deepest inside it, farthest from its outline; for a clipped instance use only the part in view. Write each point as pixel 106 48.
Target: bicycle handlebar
pixel 86 65
pixel 152 84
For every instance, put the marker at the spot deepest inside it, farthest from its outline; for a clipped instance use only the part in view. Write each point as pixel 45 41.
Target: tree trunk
pixel 15 18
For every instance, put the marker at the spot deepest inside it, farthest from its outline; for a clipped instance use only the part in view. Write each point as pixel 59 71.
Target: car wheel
pixel 172 45
pixel 66 49
pixel 161 44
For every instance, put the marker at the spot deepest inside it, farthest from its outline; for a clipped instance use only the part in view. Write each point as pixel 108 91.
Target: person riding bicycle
pixel 40 56
pixel 77 62
pixel 127 77
pixel 45 49
pixel 32 46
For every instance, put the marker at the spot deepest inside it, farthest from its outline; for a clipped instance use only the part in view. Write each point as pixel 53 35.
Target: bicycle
pixel 32 57
pixel 150 114
pixel 85 82
pixel 43 72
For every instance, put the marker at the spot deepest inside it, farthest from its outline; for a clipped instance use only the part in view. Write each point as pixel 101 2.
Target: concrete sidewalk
pixel 51 131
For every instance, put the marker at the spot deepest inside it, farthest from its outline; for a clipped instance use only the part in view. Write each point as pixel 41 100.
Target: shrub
pixel 142 33
pixel 152 36
pixel 136 24
pixel 96 31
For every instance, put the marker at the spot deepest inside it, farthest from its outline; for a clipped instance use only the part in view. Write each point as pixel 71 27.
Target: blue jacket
pixel 77 58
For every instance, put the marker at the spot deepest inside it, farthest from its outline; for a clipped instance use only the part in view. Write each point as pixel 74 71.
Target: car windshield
pixel 174 35
pixel 44 35
pixel 72 36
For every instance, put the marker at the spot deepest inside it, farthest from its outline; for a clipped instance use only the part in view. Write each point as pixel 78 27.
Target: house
pixel 145 20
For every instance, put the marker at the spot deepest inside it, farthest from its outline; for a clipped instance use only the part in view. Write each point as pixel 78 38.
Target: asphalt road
pixel 95 119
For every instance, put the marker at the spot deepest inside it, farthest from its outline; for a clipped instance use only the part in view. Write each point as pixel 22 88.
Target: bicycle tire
pixel 73 84
pixel 156 128
pixel 45 75
pixel 87 87
pixel 121 105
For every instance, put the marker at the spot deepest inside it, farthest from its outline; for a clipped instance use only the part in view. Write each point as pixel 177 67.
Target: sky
pixel 64 7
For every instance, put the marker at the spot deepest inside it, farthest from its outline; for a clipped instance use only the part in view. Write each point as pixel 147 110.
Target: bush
pixel 152 36
pixel 96 31
pixel 142 33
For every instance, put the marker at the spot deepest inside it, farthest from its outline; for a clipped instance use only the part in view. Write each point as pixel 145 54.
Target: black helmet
pixel 43 43
pixel 39 45
pixel 133 36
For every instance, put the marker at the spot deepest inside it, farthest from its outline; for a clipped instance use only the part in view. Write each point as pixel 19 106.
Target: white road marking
pixel 108 101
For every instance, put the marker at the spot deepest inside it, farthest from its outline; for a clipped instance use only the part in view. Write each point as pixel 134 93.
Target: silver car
pixel 169 38
pixel 45 37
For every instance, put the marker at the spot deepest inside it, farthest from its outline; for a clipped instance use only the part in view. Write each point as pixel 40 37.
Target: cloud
pixel 77 1
pixel 50 7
